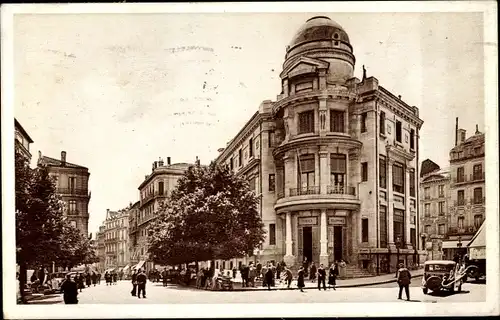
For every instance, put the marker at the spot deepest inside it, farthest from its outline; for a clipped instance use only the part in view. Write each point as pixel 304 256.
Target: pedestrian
pixel 94 278
pixel 305 264
pixel 164 276
pixel 321 277
pixel 252 274
pixel 141 284
pixel 263 274
pixel 300 279
pixel 279 268
pixel 342 269
pixel 234 272
pixel 404 280
pixel 134 283
pixel 332 276
pixel 88 279
pixel 115 277
pixel 79 281
pixel 273 280
pixel 106 277
pixel 98 278
pixel 258 269
pixel 69 289
pixel 288 277
pixel 269 276
pixel 312 272
pixel 244 275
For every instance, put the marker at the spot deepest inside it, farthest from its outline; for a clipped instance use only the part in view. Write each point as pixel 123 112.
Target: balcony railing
pixel 459 203
pixel 478 176
pixel 73 191
pixel 340 189
pixel 280 195
pixel 153 195
pixel 304 191
pixel 462 230
pixel 478 201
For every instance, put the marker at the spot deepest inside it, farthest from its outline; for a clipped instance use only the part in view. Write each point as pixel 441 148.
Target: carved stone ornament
pixel 322 117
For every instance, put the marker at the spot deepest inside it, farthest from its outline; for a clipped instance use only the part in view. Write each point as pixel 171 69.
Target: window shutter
pixel 338 163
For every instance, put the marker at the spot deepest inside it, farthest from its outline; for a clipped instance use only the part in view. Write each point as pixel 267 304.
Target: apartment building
pixel 22 140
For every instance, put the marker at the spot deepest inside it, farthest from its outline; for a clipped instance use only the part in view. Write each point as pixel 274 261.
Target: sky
pixel 119 91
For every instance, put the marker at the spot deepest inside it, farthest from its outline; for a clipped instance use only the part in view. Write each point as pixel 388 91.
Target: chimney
pixel 160 162
pixel 477 129
pixel 197 162
pixel 461 136
pixel 63 157
pixel 221 149
pixel 456 131
pixel 399 97
pixel 168 160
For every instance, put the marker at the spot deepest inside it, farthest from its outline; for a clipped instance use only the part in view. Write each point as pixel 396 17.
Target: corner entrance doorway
pixel 337 243
pixel 307 243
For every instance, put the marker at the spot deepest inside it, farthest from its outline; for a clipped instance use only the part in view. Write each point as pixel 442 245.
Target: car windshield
pixel 438 267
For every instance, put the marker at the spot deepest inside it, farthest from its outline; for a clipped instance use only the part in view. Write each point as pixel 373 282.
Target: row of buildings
pixel 453 199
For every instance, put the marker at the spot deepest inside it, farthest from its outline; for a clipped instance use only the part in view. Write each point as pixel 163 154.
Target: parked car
pixel 442 275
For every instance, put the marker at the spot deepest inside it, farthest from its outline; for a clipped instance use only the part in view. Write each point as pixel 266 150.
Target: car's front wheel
pixel 425 290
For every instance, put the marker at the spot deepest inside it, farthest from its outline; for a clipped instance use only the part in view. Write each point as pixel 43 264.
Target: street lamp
pixel 398 245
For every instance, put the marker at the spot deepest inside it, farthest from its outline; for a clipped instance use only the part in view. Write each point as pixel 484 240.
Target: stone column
pixel 390 206
pixel 285 87
pixel 323 255
pixel 324 171
pixel 289 258
pixel 317 170
pixel 290 172
pixel 407 209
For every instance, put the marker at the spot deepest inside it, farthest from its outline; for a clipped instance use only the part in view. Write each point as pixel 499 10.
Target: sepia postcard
pixel 250 159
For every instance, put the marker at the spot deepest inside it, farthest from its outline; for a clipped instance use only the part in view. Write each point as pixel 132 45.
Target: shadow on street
pixel 446 293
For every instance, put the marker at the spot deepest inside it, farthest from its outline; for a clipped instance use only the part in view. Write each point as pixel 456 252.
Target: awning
pixel 139 265
pixel 452 244
pixel 126 268
pixel 479 239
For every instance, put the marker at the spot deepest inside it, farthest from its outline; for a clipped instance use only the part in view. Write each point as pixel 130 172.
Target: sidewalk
pixel 342 283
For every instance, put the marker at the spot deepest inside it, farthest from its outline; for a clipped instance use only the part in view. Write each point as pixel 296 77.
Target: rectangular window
pixel 364 229
pixel 270 139
pixel 460 174
pixel 72 206
pixel 72 183
pixel 428 229
pixel 427 193
pixel 460 222
pixel 382 172
pixel 441 229
pixel 477 172
pixel 250 147
pixel 252 184
pixel 338 172
pixel 363 121
pixel 398 132
pixel 441 190
pixel 398 180
pixel 412 139
pixel 240 158
pixel 272 234
pixel 336 121
pixel 383 227
pixel 427 209
pixel 478 195
pixel 412 182
pixel 306 122
pixel 306 177
pixel 461 197
pixel 272 182
pixel 382 122
pixel 441 208
pixel 399 227
pixel 413 237
pixel 231 164
pixel 478 220
pixel 364 171
pixel 160 188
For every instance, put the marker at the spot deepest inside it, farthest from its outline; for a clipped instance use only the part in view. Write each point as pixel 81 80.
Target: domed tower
pixel 322 40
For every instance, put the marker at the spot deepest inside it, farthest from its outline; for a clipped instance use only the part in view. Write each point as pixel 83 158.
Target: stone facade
pixel 116 239
pixel 72 183
pixel 101 248
pixel 153 191
pixel 321 159
pixel 22 140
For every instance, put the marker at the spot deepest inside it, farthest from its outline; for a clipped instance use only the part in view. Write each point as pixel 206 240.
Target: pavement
pixel 341 283
pixel 157 294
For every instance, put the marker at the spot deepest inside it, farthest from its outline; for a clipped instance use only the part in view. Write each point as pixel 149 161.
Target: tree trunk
pixel 23 274
pixel 196 266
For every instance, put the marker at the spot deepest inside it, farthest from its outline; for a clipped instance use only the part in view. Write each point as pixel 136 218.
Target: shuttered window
pixel 336 121
pixel 306 122
pixel 398 181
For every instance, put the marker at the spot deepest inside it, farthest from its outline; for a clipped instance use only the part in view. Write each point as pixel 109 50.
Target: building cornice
pixel 399 107
pixel 168 171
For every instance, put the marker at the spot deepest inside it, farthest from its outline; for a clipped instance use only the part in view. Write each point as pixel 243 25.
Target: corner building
pixel 333 159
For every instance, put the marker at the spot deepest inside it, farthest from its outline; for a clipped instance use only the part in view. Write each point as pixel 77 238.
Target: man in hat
pixel 404 280
pixel 141 284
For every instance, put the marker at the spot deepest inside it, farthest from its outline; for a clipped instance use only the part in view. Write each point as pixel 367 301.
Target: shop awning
pixel 126 268
pixel 479 239
pixel 452 244
pixel 139 265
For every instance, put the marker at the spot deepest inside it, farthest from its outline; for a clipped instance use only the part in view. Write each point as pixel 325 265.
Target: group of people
pixel 87 279
pixel 139 280
pixel 110 277
pixel 70 286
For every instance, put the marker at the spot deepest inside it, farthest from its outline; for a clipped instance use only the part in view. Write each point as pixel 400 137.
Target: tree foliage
pixel 43 236
pixel 211 214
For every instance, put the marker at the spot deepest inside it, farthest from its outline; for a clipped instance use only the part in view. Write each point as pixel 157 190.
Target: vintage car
pixel 442 275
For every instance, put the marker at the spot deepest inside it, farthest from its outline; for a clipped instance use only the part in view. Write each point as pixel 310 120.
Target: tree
pixel 42 234
pixel 212 214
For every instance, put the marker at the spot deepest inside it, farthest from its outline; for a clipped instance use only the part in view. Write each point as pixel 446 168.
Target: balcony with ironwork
pixel 315 197
pixel 465 230
pixel 471 178
pixel 73 191
pixel 151 196
pixel 477 177
pixel 471 201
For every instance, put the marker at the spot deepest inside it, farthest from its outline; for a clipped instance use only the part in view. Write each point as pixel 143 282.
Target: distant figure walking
pixel 269 277
pixel 300 279
pixel 134 283
pixel 94 278
pixel 404 280
pixel 88 279
pixel 332 276
pixel 288 276
pixel 69 289
pixel 312 272
pixel 164 274
pixel 141 284
pixel 321 277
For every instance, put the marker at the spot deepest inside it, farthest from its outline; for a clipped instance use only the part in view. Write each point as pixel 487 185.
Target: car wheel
pixel 459 289
pixel 425 290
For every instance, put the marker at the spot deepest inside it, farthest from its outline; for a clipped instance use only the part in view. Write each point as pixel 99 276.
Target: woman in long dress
pixel 332 276
pixel 300 279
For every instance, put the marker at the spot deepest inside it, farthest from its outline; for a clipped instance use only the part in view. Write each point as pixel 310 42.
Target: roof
pixel 479 239
pixel 58 163
pixel 443 262
pixel 20 128
pixel 476 139
pixel 319 28
pixel 428 166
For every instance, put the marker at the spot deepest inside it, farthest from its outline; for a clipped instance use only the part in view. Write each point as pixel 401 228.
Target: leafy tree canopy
pixel 212 214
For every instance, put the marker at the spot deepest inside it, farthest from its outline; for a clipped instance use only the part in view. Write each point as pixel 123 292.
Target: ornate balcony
pixel 340 189
pixel 304 191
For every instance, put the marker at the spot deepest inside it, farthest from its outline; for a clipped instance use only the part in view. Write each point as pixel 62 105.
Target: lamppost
pixel 398 245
